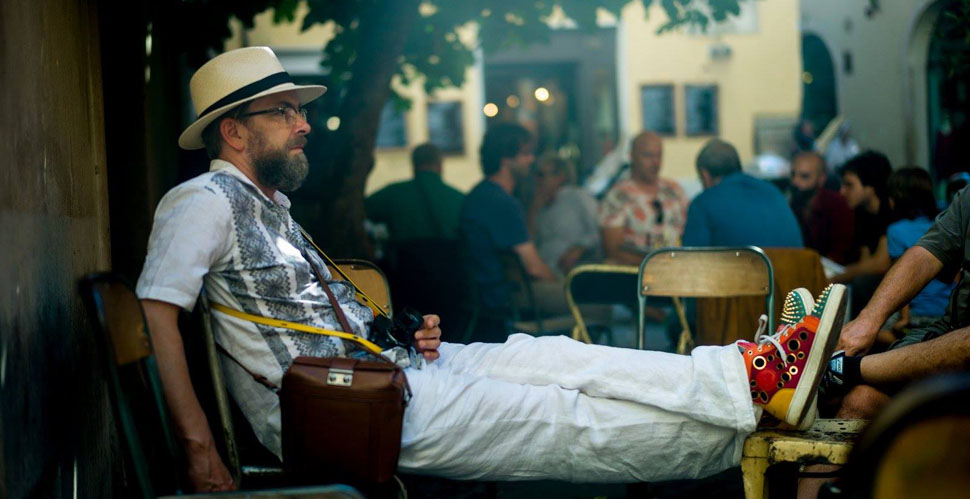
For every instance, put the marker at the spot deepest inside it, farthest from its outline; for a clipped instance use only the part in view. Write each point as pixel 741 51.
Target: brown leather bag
pixel 342 417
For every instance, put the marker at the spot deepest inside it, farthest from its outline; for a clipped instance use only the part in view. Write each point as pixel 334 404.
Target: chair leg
pixel 753 470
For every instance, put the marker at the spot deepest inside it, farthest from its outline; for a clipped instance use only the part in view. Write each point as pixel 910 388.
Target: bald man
pixel 643 211
pixel 825 218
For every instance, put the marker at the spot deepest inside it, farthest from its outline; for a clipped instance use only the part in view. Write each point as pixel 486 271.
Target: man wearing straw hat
pixel 531 408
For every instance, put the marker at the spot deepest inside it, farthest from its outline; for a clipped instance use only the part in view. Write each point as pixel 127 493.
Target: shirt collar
pixel 221 165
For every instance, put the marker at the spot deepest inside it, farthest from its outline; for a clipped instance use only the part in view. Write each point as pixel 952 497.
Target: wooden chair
pixel 695 272
pixel 828 441
pixel 599 284
pixel 137 398
pixel 257 466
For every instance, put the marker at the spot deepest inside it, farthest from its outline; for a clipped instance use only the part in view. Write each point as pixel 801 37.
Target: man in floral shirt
pixel 643 211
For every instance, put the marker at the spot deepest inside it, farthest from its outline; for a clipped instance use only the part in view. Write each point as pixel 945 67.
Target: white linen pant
pixel 554 408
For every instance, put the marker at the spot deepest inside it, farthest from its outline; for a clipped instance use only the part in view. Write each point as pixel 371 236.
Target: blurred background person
pixel 422 207
pixel 563 217
pixel 842 148
pixel 643 211
pixel 823 215
pixel 864 189
pixel 736 209
pixel 914 207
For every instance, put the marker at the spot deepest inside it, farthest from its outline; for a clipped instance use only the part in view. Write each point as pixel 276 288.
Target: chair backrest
pixel 369 278
pixel 724 320
pixel 704 272
pixel 136 392
pixel 599 284
pixel 917 446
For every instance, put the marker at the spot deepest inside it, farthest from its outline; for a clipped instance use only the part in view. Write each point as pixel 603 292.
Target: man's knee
pixel 862 402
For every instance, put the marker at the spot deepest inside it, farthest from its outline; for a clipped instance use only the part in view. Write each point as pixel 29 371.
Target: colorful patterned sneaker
pixel 784 369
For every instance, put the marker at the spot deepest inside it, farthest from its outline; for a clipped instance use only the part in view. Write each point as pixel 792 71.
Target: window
pixel 701 112
pixel 391 131
pixel 445 128
pixel 657 104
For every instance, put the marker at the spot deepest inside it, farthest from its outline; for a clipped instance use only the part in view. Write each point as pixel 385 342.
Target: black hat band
pixel 250 90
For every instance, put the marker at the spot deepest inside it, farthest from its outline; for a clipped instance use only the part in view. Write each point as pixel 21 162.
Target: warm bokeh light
pixel 512 101
pixel 490 110
pixel 333 123
pixel 542 94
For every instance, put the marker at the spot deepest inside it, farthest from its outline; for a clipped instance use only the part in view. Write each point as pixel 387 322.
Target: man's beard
pixel 276 169
pixel 801 199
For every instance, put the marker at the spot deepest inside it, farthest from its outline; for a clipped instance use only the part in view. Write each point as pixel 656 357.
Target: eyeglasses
pixel 287 111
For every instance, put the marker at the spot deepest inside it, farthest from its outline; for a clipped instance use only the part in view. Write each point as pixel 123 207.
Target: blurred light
pixel 512 101
pixel 486 12
pixel 333 123
pixel 433 59
pixel 490 110
pixel 542 94
pixel 807 77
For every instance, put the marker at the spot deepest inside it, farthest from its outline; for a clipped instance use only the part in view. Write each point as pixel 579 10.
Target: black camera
pixel 399 332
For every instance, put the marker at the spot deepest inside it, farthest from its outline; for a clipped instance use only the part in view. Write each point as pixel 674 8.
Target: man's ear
pixel 233 133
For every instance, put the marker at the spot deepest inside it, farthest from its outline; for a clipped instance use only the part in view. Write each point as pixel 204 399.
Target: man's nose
pixel 302 125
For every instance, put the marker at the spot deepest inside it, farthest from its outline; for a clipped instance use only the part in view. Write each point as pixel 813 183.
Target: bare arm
pixel 876 263
pixel 612 245
pixel 534 266
pixel 903 281
pixel 206 469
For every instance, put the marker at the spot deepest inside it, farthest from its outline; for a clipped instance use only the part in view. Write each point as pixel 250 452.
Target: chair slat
pixel 706 274
pixel 125 323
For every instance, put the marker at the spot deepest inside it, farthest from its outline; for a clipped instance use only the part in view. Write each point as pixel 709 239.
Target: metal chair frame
pixel 580 331
pixel 741 259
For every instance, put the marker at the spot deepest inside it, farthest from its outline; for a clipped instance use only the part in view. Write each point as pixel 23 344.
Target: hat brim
pixel 191 138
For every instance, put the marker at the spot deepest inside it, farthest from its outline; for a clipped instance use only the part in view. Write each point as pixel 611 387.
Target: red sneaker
pixel 784 369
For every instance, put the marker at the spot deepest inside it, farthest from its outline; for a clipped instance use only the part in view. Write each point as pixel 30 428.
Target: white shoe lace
pixel 760 339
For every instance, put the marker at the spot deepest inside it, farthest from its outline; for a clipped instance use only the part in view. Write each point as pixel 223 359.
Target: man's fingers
pixel 430 321
pixel 428 334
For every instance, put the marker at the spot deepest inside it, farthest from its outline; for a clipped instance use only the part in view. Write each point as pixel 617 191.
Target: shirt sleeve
pixel 894 241
pixel 191 231
pixel 946 237
pixel 612 209
pixel 697 231
pixel 587 218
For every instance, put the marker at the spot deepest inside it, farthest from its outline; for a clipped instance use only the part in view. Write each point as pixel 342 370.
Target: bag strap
pixel 295 326
pixel 360 292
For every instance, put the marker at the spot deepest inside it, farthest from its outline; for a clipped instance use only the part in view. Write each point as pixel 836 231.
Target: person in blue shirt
pixel 493 222
pixel 912 201
pixel 736 209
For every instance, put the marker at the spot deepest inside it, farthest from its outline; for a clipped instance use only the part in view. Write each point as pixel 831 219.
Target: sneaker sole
pixel 822 347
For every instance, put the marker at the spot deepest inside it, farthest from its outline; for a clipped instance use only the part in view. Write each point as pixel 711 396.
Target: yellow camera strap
pixel 295 326
pixel 360 292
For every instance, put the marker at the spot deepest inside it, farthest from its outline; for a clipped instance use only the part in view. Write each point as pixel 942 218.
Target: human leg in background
pixel 554 408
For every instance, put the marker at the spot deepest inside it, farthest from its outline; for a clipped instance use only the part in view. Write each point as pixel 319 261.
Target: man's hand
pixel 428 338
pixel 207 473
pixel 858 336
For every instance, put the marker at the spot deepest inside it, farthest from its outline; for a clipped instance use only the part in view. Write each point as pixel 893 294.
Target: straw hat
pixel 235 77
